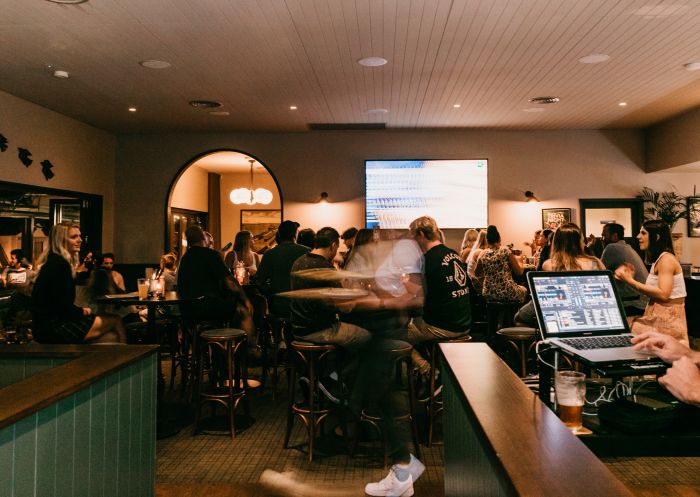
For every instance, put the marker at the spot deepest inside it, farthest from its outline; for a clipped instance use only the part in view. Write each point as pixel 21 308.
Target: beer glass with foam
pixel 570 387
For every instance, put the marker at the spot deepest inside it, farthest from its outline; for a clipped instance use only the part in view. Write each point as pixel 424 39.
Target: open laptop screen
pixel 577 303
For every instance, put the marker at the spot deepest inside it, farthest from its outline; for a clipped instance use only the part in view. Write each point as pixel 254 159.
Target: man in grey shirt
pixel 616 253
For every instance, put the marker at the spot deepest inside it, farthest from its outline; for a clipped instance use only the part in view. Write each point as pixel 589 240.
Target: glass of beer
pixel 570 387
pixel 143 286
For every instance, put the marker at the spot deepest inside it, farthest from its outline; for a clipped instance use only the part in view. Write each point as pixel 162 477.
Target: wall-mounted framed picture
pixel 694 216
pixel 263 223
pixel 553 218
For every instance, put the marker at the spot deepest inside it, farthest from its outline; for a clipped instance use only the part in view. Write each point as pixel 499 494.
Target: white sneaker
pixel 391 486
pixel 416 468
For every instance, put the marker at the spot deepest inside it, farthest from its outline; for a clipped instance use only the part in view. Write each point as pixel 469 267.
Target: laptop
pixel 582 313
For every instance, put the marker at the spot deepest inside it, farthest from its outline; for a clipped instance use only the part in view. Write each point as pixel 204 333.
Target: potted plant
pixel 667 206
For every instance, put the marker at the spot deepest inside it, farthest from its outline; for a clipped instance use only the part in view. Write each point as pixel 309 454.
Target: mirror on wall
pixel 596 212
pixel 27 213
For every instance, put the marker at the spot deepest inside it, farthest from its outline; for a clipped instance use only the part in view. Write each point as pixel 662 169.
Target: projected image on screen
pixel 454 192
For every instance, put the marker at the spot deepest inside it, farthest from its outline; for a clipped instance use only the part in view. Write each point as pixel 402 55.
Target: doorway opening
pixel 202 194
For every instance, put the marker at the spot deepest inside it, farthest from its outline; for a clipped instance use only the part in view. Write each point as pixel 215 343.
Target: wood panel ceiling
pixel 259 57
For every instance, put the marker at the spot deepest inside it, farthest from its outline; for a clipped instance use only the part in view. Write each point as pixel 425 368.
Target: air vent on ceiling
pixel 204 104
pixel 345 126
pixel 544 100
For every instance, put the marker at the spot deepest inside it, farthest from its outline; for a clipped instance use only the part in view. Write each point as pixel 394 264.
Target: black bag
pixel 641 417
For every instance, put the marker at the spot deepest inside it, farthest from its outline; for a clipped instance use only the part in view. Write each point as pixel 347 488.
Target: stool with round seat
pixel 308 358
pixel 499 314
pixel 435 404
pixel 228 380
pixel 278 331
pixel 521 338
pixel 397 352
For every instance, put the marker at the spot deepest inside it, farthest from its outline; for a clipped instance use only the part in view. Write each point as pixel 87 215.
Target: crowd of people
pixel 416 289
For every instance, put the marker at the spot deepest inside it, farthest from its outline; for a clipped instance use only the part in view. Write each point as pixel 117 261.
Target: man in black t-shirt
pixel 446 310
pixel 202 273
pixel 276 265
pixel 314 320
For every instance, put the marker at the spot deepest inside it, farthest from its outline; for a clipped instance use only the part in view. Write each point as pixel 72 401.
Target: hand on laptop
pixel 665 347
pixel 683 380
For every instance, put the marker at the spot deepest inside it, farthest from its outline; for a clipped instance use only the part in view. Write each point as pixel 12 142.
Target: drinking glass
pixel 143 286
pixel 570 387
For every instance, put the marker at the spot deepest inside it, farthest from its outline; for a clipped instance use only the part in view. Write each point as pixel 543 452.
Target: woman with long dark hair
pixel 243 248
pixel 495 267
pixel 56 319
pixel 665 285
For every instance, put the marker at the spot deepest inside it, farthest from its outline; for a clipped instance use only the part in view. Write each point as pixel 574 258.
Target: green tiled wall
pixel 99 442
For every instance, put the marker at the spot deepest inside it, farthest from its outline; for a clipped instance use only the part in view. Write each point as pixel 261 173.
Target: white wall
pixel 559 166
pixel 83 156
pixel 191 190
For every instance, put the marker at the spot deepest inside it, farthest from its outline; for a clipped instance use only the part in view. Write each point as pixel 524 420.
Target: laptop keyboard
pixel 604 342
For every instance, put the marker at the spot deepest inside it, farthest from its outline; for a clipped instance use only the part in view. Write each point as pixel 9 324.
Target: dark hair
pixel 306 237
pixel 325 237
pixel 242 241
pixel 108 255
pixel 567 247
pixel 100 284
pixel 363 237
pixel 18 253
pixel 286 231
pixel 492 235
pixel 194 235
pixel 659 238
pixel 547 234
pixel 349 233
pixel 615 229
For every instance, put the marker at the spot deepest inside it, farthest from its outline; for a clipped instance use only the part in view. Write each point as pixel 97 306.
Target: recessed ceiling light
pixel 622 104
pixel 533 109
pixel 544 100
pixel 372 61
pixel 132 109
pixel 595 58
pixel 457 106
pixel 219 113
pixel 377 111
pixel 692 66
pixel 61 74
pixel 292 107
pixel 204 104
pixel 155 64
pixel 67 1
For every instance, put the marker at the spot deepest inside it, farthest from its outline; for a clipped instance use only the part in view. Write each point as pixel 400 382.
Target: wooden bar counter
pixel 501 440
pixel 77 420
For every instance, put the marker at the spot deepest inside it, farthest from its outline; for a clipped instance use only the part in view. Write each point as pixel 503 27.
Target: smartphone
pixel 653 404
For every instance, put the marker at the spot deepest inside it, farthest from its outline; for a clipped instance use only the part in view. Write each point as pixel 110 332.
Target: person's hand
pixel 590 241
pixel 665 347
pixel 683 381
pixel 87 311
pixel 625 272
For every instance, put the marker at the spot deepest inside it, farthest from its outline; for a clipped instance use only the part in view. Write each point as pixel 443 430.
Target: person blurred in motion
pixel 56 318
pixel 348 238
pixel 665 285
pixel 472 259
pixel 495 267
pixel 273 275
pixel 683 378
pixel 468 242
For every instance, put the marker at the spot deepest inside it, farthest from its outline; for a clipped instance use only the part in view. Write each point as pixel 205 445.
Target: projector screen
pixel 453 192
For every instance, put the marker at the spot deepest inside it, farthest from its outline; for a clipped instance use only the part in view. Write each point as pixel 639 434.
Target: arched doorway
pixel 201 194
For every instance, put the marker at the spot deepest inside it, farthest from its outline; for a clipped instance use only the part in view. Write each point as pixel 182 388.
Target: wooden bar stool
pixel 307 361
pixel 228 382
pixel 435 404
pixel 499 314
pixel 522 339
pixel 398 352
pixel 279 330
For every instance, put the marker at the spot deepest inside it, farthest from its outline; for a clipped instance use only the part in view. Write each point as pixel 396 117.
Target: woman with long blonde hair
pixel 56 319
pixel 468 243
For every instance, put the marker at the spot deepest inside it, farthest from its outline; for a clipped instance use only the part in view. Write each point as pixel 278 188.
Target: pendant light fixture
pixel 250 195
